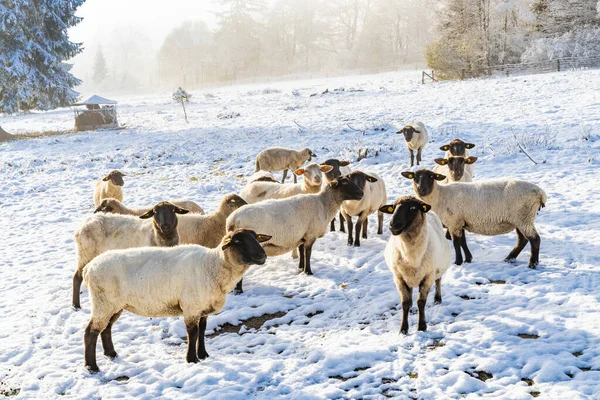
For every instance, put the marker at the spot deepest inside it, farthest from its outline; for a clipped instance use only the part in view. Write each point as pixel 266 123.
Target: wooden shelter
pixel 95 113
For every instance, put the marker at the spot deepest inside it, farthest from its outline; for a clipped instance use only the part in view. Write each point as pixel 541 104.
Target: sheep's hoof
pixel 203 356
pixel 93 369
pixel 404 331
pixel 112 355
pixel 437 300
pixel 193 360
pixel 510 260
pixel 458 262
pixel 356 244
pixel 533 265
pixel 75 308
pixel 422 327
pixel 380 232
pixel 468 260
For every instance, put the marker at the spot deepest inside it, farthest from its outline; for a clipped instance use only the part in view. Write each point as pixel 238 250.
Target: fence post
pixel 422 77
pixel 462 74
pixel 558 65
pixel 432 75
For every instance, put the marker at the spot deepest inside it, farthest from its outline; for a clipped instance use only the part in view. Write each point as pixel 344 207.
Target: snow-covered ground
pixel 503 330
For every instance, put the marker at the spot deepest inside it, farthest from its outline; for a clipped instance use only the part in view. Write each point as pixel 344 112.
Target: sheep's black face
pixel 361 179
pixel 335 171
pixel 164 217
pixel 232 202
pixel 424 180
pixel 457 147
pixel 408 213
pixel 116 177
pixel 247 244
pixel 408 132
pixel 105 207
pixel 456 165
pixel 348 188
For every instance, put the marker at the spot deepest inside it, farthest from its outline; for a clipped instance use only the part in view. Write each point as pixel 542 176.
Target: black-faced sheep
pixel 415 136
pixel 109 186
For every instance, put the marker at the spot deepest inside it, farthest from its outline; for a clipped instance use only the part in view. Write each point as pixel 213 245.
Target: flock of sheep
pixel 172 259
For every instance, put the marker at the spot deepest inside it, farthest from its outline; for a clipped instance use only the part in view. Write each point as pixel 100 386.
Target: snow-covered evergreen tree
pixel 182 97
pixel 34 45
pixel 100 70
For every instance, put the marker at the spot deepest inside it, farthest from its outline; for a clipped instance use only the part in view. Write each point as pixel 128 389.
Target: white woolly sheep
pixel 340 168
pixel 190 280
pixel 276 159
pixel 488 208
pixel 263 176
pixel 374 197
pixel 416 138
pixel 417 254
pixel 101 232
pixel 109 186
pixel 454 168
pixel 208 230
pixel 259 191
pixel 459 148
pixel 114 206
pixel 295 222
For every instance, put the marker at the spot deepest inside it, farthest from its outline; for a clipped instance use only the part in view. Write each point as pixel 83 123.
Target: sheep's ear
pixel 371 178
pixel 388 208
pixel 226 244
pixel 401 131
pixel 469 145
pixel 299 171
pixel 106 178
pixel 441 161
pixel 344 163
pixel 425 207
pixel 326 168
pixel 408 175
pixel 99 208
pixel 180 211
pixel 439 177
pixel 445 147
pixel 311 153
pixel 149 214
pixel 263 238
pixel 470 160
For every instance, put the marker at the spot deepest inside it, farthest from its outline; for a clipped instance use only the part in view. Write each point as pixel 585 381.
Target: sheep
pixel 454 168
pixel 101 232
pixel 416 253
pixel 459 148
pixel 259 191
pixel 208 230
pixel 295 222
pixel 263 176
pixel 278 158
pixel 375 196
pixel 416 138
pixel 190 281
pixel 340 168
pixel 488 208
pixel 109 186
pixel 114 206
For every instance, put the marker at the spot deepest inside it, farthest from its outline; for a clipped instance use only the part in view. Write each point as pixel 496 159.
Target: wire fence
pixel 559 64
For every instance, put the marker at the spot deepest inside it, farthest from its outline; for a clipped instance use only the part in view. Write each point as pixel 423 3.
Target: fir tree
pixel 34 45
pixel 100 71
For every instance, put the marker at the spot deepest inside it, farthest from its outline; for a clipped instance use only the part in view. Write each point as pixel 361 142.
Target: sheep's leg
pixel 424 288
pixel 448 236
pixel 284 175
pixel 412 157
pixel 77 279
pixel 419 156
pixel 379 222
pixel 295 178
pixel 202 354
pixel 521 243
pixel 365 226
pixel 238 287
pixel 193 328
pixel 437 298
pixel 348 219
pixel 106 336
pixel 308 249
pixel 357 228
pixel 468 255
pixel 342 228
pixel 535 242
pixel 457 242
pixel 301 250
pixel 406 297
pixel 90 339
pixel 332 228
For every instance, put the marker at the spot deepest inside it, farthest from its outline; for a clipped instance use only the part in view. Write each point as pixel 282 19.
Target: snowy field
pixel 503 331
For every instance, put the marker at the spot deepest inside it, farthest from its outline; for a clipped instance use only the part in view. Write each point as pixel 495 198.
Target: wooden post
pixel 422 77
pixel 558 65
pixel 432 75
pixel 462 74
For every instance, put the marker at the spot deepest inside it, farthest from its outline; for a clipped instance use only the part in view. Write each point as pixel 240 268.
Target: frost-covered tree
pixel 34 45
pixel 555 17
pixel 100 70
pixel 182 97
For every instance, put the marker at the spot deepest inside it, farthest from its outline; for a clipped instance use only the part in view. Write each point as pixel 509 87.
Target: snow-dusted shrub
pixel 182 97
pixel 583 42
pixel 228 114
